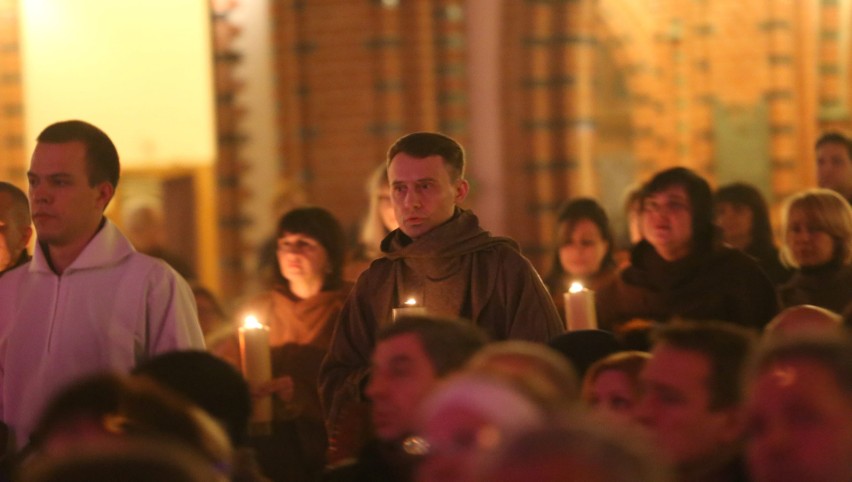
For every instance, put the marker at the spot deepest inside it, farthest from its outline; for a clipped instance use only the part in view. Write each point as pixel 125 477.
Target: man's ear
pixel 462 188
pixel 26 235
pixel 105 193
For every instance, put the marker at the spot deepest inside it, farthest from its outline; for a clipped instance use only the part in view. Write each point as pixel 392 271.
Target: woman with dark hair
pixel 301 311
pixel 818 243
pixel 743 219
pixel 584 249
pixel 680 268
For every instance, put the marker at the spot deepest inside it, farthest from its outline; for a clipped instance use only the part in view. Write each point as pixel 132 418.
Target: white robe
pixel 110 309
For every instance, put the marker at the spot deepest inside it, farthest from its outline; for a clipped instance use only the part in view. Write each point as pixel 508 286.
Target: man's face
pixel 422 193
pixel 66 210
pixel 834 168
pixel 667 222
pixel 799 425
pixel 675 408
pixel 13 235
pixel 402 375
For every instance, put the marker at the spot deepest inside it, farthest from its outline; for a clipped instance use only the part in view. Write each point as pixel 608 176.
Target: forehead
pixel 833 149
pixel 582 226
pixel 673 191
pixel 404 167
pixel 404 346
pixel 686 369
pixel 62 157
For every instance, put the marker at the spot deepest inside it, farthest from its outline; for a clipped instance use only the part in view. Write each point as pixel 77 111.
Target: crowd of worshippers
pixel 433 351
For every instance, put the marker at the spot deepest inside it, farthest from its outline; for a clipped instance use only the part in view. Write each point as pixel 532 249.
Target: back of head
pixel 119 408
pixel 743 194
pixel 448 342
pixel 130 461
pixel 830 350
pixel 426 144
pixel 539 370
pixel 826 211
pixel 700 197
pixel 211 383
pixel 101 154
pixel 803 319
pixel 319 224
pixel 726 347
pixel 572 450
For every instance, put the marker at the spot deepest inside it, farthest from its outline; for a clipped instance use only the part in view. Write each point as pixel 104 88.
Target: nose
pixel 375 387
pixel 412 198
pixel 644 411
pixel 38 193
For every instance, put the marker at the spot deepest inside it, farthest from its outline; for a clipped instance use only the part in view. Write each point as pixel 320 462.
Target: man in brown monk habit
pixel 440 258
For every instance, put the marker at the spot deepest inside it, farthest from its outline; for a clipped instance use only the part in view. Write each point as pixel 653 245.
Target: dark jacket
pixel 828 286
pixel 457 269
pixel 720 284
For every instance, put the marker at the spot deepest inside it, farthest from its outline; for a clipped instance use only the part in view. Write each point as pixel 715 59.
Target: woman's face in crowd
pixel 667 222
pixel 302 258
pixel 735 221
pixel 582 248
pixel 386 209
pixel 809 245
pixel 613 394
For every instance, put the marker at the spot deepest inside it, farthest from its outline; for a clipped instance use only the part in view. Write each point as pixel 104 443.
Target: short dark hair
pixel 425 144
pixel 832 351
pixel 321 225
pixel 448 342
pixel 834 137
pixel 744 194
pixel 101 155
pixel 700 197
pixel 209 382
pixel 20 204
pixel 726 346
pixel 579 209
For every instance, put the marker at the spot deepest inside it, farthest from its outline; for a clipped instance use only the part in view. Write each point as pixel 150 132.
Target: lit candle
pixel 257 364
pixel 411 308
pixel 580 308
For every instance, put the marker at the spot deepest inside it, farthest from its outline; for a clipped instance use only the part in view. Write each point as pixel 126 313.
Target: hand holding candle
pixel 580 308
pixel 257 364
pixel 411 308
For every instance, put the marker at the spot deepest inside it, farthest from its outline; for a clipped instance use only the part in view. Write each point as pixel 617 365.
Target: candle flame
pixel 251 323
pixel 576 287
pixel 410 302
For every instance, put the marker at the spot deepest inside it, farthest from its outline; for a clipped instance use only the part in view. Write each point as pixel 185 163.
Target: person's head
pixel 742 216
pixel 817 226
pixel 426 176
pixel 15 229
pixel 311 247
pixel 73 175
pixel 545 375
pixel 129 461
pixel 584 239
pixel 211 315
pixel 677 213
pixel 834 163
pixel 467 417
pixel 799 411
pixel 410 357
pixel 207 381
pixel 572 449
pixel 803 319
pixel 105 409
pixel 611 385
pixel 145 228
pixel 691 405
pixel 379 219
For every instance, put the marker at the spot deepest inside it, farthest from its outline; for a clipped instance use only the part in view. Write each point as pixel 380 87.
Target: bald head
pixel 803 318
pixel 15 230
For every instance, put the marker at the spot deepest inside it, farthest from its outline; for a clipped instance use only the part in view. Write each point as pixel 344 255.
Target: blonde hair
pixel 828 212
pixel 373 230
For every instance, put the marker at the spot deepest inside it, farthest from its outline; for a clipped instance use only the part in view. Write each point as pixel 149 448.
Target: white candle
pixel 580 308
pixel 257 364
pixel 411 308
